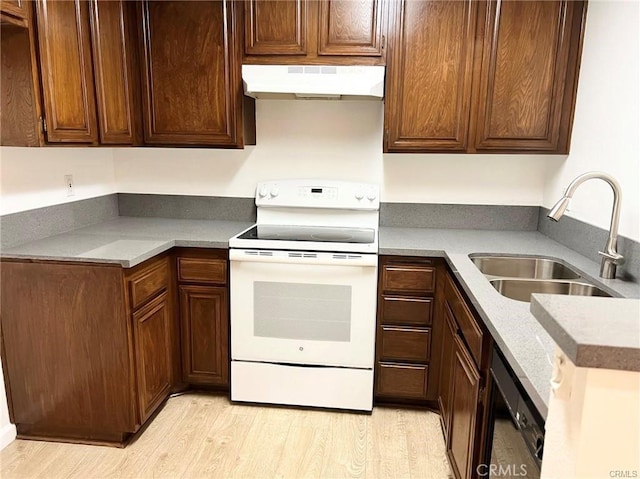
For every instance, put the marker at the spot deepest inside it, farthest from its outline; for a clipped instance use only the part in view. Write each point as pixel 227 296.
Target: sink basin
pixel 521 289
pixel 522 267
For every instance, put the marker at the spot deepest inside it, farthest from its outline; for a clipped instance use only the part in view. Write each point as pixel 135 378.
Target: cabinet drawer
pixel 202 270
pixel 409 278
pixel 402 381
pixel 468 325
pixel 148 283
pixel 405 344
pixel 409 311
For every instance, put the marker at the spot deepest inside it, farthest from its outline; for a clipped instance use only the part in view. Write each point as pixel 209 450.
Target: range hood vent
pixel 313 82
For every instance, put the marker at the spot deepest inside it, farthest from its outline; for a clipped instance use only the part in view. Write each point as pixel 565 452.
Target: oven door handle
pixel 303 257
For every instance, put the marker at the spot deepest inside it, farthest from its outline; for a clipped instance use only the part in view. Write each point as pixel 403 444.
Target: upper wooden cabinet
pixel 20 103
pixel 496 76
pixel 428 91
pixel 67 72
pixel 15 8
pixel 527 79
pixel 315 32
pixel 86 70
pixel 192 88
pixel 275 27
pixel 115 71
pixel 351 28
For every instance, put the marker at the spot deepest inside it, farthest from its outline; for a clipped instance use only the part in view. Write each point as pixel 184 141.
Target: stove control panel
pixel 318 194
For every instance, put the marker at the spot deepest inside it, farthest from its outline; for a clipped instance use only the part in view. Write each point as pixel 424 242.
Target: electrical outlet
pixel 68 181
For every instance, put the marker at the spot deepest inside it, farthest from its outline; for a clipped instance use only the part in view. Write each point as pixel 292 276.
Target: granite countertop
pixel 526 344
pixel 593 332
pixel 128 241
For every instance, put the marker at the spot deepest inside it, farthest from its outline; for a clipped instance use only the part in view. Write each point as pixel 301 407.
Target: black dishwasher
pixel 515 432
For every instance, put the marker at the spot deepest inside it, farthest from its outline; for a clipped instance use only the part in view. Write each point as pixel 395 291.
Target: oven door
pixel 303 307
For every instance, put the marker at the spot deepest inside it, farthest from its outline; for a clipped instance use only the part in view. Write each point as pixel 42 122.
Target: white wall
pixel 606 130
pixel 329 139
pixel 34 177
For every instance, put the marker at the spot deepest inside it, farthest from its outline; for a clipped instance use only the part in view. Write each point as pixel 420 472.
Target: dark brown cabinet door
pixel 529 64
pixel 152 340
pixel 20 103
pixel 205 335
pixel 66 350
pixel 275 27
pixel 465 396
pixel 449 333
pixel 348 27
pixel 111 32
pixel 192 90
pixel 428 92
pixel 66 71
pixel 16 8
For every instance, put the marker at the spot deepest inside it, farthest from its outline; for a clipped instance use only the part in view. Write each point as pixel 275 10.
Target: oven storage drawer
pixel 404 381
pixel 413 279
pixel 405 344
pixel 202 270
pixel 406 310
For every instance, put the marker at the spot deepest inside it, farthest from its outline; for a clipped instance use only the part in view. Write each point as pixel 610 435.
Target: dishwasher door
pixel 515 432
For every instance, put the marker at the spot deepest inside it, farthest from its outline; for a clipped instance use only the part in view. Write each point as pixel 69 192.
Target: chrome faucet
pixel 610 256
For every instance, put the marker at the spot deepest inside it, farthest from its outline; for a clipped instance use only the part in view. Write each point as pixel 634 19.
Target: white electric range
pixel 303 296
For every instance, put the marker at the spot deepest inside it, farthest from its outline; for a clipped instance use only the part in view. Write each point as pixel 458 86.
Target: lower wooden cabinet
pixel 88 350
pixel 462 395
pixel 204 316
pixel 464 401
pixel 152 340
pixel 406 322
pixel 68 366
pixel 205 335
pixel 448 343
pixel 401 381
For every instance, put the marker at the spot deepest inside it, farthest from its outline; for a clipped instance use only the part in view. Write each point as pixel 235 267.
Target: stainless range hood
pixel 312 82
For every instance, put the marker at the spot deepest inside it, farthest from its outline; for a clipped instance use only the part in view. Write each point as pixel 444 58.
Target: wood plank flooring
pixel 204 436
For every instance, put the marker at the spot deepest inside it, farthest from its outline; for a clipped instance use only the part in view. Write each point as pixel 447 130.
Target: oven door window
pixel 317 312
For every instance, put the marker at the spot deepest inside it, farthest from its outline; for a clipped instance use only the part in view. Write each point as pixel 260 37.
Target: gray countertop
pixel 128 241
pixel 593 332
pixel 526 344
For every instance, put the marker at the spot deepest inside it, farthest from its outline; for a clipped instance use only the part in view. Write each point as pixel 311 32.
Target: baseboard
pixel 7 435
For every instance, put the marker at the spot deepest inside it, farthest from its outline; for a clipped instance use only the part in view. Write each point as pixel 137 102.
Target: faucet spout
pixel 610 256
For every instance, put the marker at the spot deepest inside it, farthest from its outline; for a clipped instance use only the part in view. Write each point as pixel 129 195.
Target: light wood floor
pixel 202 436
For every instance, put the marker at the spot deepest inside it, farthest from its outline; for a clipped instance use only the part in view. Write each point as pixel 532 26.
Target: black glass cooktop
pixel 325 234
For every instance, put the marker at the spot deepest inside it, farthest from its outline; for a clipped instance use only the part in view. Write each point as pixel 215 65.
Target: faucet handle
pixel 615 258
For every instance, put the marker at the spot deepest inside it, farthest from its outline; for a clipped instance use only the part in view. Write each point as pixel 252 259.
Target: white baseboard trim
pixel 7 435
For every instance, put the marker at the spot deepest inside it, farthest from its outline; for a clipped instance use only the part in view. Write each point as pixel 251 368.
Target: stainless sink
pixel 521 289
pixel 522 267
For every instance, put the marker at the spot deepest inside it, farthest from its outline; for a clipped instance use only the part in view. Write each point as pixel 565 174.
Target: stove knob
pixel 263 191
pixel 359 194
pixel 274 192
pixel 371 194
